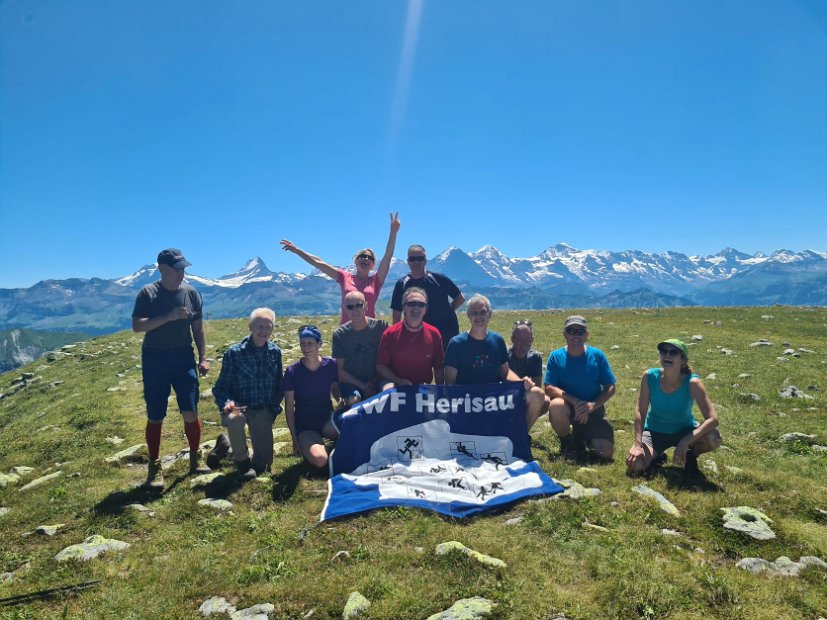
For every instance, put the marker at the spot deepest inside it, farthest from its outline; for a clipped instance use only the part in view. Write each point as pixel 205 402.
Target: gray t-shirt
pixel 530 366
pixel 359 347
pixel 154 300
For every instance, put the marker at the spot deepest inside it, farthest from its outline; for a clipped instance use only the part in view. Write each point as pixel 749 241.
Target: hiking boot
pixel 691 466
pixel 659 460
pixel 154 476
pixel 195 464
pixel 219 452
pixel 567 449
pixel 581 452
pixel 246 470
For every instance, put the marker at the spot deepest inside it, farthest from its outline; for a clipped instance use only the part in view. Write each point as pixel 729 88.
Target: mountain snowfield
pixel 560 276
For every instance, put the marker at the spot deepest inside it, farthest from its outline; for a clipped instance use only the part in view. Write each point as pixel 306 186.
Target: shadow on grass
pixel 677 478
pixel 286 483
pixel 116 502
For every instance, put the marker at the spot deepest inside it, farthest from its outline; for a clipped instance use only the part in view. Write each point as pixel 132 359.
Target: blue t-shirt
pixel 668 413
pixel 584 376
pixel 477 361
pixel 311 390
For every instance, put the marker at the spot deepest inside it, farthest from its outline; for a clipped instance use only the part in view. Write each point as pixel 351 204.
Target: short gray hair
pixel 264 313
pixel 414 289
pixel 479 299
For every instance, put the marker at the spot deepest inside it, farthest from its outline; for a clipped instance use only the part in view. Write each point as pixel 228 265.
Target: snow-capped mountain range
pixel 559 276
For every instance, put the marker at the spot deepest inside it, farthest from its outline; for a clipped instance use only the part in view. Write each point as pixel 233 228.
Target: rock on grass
pixel 90 548
pixel 453 545
pixel 466 609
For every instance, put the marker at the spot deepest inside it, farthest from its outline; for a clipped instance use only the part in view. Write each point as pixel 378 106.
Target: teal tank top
pixel 668 413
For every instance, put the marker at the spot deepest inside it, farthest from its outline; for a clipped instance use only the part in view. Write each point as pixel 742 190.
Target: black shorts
pixel 596 427
pixel 165 368
pixel 660 442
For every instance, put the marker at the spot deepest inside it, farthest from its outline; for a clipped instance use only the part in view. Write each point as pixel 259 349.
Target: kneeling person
pixel 480 356
pixel 308 385
pixel 248 393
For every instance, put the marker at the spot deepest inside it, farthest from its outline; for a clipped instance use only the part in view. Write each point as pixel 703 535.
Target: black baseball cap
pixel 172 257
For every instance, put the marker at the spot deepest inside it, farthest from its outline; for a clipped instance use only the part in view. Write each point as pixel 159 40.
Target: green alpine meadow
pixel 602 550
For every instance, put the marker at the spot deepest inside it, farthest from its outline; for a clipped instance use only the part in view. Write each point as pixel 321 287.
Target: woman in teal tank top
pixel 663 417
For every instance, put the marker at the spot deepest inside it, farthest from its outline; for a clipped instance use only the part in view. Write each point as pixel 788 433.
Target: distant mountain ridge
pixel 560 276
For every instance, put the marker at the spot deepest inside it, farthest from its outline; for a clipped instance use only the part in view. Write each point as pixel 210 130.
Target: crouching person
pixel 308 385
pixel 663 417
pixel 249 393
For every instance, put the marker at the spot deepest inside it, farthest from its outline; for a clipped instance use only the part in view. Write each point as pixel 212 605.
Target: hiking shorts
pixel 163 369
pixel 660 442
pixel 596 427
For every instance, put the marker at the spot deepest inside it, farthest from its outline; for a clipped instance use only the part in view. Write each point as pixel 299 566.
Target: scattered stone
pixel 117 388
pixel 667 532
pixel 792 352
pixel 216 605
pixel 793 392
pixel 7 479
pixel 712 376
pixel 22 470
pixel 133 454
pixel 453 545
pixel 711 465
pixel 594 526
pixel 803 350
pixel 205 479
pixel 42 480
pixel 115 441
pixel 281 432
pixel 356 605
pixel 575 490
pixel 763 342
pixel 818 448
pixel 744 375
pixel 90 548
pixel 749 521
pixel 734 470
pixel 514 521
pixel 216 504
pixel 665 505
pixel 615 347
pixel 48 427
pixel 749 397
pixel 205 394
pixel 261 611
pixel 141 509
pixel 783 359
pixel 587 470
pixel 795 438
pixel 282 447
pixel 697 337
pixel 473 608
pixel 614 504
pixel 48 530
pixel 782 567
pixel 727 351
pixel 4 510
pixel 340 556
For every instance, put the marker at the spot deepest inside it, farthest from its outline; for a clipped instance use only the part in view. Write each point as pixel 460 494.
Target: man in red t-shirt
pixel 410 351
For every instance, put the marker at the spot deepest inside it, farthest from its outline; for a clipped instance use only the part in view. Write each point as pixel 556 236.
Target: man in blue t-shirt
pixel 579 381
pixel 480 356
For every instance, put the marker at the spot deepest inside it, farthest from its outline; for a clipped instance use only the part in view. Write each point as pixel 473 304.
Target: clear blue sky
pixel 221 127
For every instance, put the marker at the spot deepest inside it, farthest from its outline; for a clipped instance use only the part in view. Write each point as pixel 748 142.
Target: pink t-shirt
pixel 369 287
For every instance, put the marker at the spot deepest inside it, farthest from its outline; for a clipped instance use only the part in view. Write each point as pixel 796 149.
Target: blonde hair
pixel 365 251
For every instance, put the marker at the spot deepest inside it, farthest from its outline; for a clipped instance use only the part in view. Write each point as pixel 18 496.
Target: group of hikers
pixel 422 345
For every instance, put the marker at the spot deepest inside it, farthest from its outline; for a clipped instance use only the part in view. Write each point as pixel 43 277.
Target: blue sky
pixel 222 127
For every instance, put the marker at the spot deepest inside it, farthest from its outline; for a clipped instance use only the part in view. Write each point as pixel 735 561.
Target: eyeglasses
pixel 416 259
pixel 576 332
pixel 525 322
pixel 354 306
pixel 367 256
pixel 669 351
pixel 415 304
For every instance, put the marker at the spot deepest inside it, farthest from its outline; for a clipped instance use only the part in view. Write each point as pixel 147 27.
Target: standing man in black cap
pixel 170 314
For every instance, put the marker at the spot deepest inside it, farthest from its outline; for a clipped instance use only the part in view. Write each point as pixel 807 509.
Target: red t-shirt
pixel 369 288
pixel 411 355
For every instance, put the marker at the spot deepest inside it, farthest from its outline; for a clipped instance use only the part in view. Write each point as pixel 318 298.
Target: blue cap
pixel 310 331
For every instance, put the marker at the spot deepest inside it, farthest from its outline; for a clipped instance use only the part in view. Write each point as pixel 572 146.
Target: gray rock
pixel 216 504
pixel 90 548
pixel 749 397
pixel 48 530
pixel 734 470
pixel 514 521
pixel 744 375
pixel 697 337
pixel 748 520
pixel 788 352
pixel 204 480
pixel 455 546
pixel 116 388
pixel 4 510
pixel 216 605
pixel 141 509
pixel 22 470
pixel 133 454
pixel 340 556
pixel 782 567
pixel 783 359
pixel 795 438
pixel 767 317
pixel 261 611
pixel 725 351
pixel 761 343
pixel 473 608
pixel 281 433
pixel 710 465
pixel 115 441
pixel 7 479
pixel 803 350
pixel 575 490
pixel 712 376
pixel 818 448
pixel 664 504
pixel 793 392
pixel 42 480
pixel 667 532
pixel 355 606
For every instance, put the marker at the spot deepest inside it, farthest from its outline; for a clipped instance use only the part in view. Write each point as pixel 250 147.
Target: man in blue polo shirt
pixel 579 381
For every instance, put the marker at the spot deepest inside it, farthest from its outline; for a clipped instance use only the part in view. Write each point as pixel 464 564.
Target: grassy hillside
pixel 269 548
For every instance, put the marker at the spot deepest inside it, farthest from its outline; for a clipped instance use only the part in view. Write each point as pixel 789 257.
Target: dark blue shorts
pixel 661 442
pixel 165 368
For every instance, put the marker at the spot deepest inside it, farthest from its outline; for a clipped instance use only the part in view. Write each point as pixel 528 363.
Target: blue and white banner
pixel 455 449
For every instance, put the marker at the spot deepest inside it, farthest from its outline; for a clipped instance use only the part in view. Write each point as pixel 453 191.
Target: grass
pixel 271 549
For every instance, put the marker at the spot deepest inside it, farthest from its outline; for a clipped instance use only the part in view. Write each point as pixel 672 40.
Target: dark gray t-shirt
pixel 359 348
pixel 530 366
pixel 154 300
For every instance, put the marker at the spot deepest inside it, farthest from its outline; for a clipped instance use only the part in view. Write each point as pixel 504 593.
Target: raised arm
pixel 385 263
pixel 315 261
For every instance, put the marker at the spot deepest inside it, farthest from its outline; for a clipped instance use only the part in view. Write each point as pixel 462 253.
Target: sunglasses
pixel 367 256
pixel 522 322
pixel 669 351
pixel 354 306
pixel 415 304
pixel 576 332
pixel 416 259
pixel 307 326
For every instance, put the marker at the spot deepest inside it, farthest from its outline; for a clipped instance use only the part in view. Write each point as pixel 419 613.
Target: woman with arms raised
pixel 362 281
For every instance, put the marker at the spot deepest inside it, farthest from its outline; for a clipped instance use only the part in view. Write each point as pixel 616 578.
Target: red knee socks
pixel 153 440
pixel 193 432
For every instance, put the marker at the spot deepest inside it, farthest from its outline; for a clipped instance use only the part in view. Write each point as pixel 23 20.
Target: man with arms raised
pixel 480 356
pixel 410 351
pixel 355 345
pixel 169 312
pixel 443 295
pixel 248 392
pixel 579 381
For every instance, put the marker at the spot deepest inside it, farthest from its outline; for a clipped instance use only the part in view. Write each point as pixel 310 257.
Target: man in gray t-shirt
pixel 355 345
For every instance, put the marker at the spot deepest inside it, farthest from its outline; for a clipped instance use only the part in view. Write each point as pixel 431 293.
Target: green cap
pixel 680 344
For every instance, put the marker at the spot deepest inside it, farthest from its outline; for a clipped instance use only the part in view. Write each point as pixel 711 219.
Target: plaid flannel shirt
pixel 250 379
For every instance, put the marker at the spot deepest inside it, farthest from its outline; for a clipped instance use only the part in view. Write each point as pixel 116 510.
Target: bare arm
pixel 385 263
pixel 346 377
pixel 397 316
pixel 641 410
pixel 439 375
pixel 457 302
pixel 311 259
pixel 450 375
pixel 290 415
pixel 710 423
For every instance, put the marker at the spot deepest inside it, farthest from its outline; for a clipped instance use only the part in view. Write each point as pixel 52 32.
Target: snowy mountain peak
pixel 144 275
pixel 447 252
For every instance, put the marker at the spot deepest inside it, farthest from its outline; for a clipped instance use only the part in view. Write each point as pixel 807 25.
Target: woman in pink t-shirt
pixel 364 260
